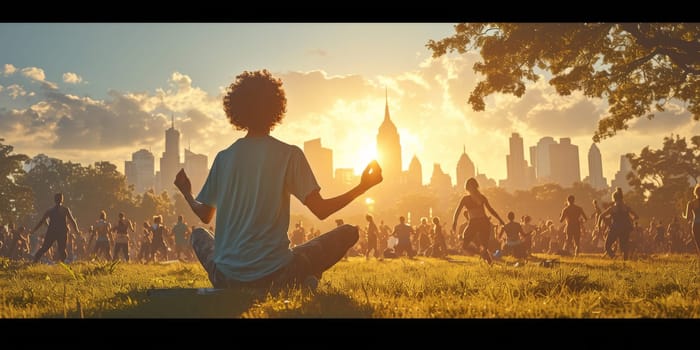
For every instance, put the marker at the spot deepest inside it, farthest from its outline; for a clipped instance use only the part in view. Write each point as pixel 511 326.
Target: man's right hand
pixel 182 182
pixel 372 175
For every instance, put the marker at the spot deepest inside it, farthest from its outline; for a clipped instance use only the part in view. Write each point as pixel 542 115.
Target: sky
pixel 88 92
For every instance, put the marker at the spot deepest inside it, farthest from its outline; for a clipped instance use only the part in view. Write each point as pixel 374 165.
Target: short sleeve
pixel 299 178
pixel 209 193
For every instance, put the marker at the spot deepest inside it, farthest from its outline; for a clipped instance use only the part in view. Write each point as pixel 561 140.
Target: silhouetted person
pixel 249 186
pixel 692 214
pixel 372 233
pixel 180 231
pixel 403 232
pixel 513 244
pixel 621 226
pixel 479 226
pixel 158 232
pixel 572 214
pixel 58 219
pixel 423 233
pixel 121 241
pixel 103 231
pixel 439 248
pixel 298 235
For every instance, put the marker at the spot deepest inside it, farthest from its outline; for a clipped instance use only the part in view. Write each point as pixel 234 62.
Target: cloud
pixel 317 52
pixel 674 116
pixel 37 74
pixel 15 91
pixel 34 73
pixel 182 81
pixel 9 69
pixel 72 78
pixel 579 118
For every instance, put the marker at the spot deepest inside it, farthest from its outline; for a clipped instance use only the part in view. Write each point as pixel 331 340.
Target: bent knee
pixel 200 234
pixel 351 233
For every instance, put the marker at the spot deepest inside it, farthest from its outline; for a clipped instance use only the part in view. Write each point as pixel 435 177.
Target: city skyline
pixel 111 89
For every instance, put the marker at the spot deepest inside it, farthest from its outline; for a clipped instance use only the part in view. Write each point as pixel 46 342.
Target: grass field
pixel 464 287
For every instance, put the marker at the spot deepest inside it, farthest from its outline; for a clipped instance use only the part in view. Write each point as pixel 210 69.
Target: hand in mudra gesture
pixel 182 182
pixel 372 175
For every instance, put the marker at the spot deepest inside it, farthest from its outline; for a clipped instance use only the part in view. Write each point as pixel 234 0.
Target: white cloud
pixel 72 78
pixel 34 73
pixel 15 91
pixel 9 69
pixel 182 81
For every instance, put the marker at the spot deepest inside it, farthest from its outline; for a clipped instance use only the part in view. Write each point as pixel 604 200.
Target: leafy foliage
pixel 638 67
pixel 664 176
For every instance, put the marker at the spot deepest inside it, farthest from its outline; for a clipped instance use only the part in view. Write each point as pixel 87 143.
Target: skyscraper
pixel 595 169
pixel 140 170
pixel 170 161
pixel 196 168
pixel 439 181
pixel 518 174
pixel 539 157
pixel 321 162
pixel 620 179
pixel 465 168
pixel 564 163
pixel 414 175
pixel 389 147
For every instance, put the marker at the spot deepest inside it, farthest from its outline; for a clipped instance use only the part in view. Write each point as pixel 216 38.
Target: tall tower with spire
pixel 170 161
pixel 465 168
pixel 389 146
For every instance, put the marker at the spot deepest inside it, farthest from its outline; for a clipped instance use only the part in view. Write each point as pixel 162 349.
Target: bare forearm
pixel 204 212
pixel 326 207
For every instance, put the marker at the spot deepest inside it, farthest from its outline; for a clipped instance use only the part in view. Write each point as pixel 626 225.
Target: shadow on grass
pixel 233 303
pixel 185 303
pixel 327 305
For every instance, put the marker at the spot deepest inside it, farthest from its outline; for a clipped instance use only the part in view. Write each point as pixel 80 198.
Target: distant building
pixel 564 163
pixel 539 158
pixel 439 181
pixel 345 178
pixel 414 175
pixel 321 162
pixel 196 168
pixel 389 147
pixel 140 170
pixel 170 161
pixel 620 179
pixel 465 168
pixel 519 174
pixel 595 169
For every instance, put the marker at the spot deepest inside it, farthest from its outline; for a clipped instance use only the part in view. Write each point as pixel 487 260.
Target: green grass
pixel 582 287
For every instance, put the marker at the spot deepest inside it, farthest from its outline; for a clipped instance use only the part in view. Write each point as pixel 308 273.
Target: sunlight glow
pixel 364 154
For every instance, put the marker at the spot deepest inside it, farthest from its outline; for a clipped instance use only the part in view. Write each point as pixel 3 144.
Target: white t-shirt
pixel 250 184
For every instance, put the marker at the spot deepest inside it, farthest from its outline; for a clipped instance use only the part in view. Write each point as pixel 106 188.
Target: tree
pixel 16 199
pixel 636 66
pixel 664 177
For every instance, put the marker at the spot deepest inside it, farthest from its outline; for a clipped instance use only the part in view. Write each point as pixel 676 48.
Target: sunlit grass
pixel 465 287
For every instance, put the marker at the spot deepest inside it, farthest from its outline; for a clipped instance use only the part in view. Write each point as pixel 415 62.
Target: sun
pixel 363 155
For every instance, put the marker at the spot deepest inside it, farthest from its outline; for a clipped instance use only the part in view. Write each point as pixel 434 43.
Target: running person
pixel 121 241
pixel 692 213
pixel 479 225
pixel 59 217
pixel 572 214
pixel 620 224
pixel 157 239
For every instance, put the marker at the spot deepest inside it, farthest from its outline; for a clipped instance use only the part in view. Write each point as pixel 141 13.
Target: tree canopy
pixel 637 67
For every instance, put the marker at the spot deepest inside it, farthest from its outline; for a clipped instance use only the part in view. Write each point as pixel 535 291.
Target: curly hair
pixel 255 101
